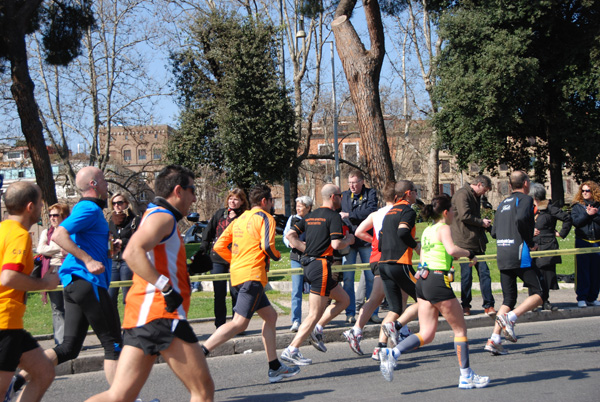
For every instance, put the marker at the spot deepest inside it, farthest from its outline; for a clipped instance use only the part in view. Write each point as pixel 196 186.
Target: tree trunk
pixel 556 160
pixel 433 173
pixel 362 68
pixel 22 90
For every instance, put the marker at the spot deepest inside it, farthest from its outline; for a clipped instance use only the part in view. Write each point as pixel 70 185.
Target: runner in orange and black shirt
pixel 252 241
pixel 323 228
pixel 396 243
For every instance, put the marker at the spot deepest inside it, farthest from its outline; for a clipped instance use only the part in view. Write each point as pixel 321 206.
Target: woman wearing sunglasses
pixel 587 234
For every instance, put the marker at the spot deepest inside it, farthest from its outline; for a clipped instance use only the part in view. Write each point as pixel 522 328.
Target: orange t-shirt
pixel 252 239
pixel 15 254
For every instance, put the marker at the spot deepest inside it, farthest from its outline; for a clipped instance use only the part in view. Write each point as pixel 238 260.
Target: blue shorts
pixel 251 298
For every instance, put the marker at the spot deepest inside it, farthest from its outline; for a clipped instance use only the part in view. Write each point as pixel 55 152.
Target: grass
pixel 38 317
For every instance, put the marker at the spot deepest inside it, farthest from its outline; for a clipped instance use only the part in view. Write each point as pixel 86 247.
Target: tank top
pixel 434 253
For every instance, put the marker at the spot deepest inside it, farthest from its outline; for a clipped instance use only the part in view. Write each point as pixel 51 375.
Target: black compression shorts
pixel 318 275
pixel 375 268
pixel 435 288
pixel 397 277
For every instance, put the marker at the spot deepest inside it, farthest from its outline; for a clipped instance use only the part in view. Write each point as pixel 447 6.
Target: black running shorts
pixel 508 281
pixel 158 335
pixel 13 343
pixel 435 288
pixel 318 275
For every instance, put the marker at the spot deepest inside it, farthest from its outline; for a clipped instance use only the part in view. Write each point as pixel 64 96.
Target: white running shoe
pixel 495 348
pixel 581 304
pixel 295 358
pixel 473 381
pixel 387 363
pixel 353 341
pixel 508 327
pixel 283 372
pixel 375 355
pixel 295 326
pixel 389 329
pixel 316 339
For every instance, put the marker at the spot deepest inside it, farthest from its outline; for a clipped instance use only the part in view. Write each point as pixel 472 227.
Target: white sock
pixel 511 316
pixel 496 338
pixel 396 353
pixel 357 331
pixel 466 372
pixel 319 328
pixel 292 349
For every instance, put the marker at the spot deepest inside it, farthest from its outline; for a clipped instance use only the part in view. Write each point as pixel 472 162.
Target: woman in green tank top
pixel 435 295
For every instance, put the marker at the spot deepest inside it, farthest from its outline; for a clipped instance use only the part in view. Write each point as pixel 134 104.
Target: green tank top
pixel 434 253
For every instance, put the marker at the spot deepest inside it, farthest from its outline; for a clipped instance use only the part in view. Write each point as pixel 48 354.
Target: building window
pixel 325 149
pixel 503 167
pixel 126 137
pixel 14 155
pixel 504 188
pixel 143 196
pixel 141 154
pixel 351 152
pixel 156 154
pixel 416 167
pixel 155 136
pixel 141 137
pixel 127 155
pixel 21 174
pixel 445 164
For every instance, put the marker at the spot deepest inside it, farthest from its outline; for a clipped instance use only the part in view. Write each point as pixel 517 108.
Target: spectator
pixel 587 234
pixel 303 207
pixel 544 236
pixel 468 232
pixel 52 258
pixel 357 204
pixel 236 204
pixel 123 223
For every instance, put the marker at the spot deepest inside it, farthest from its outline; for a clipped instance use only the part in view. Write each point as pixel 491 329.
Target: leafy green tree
pixel 520 81
pixel 62 23
pixel 236 116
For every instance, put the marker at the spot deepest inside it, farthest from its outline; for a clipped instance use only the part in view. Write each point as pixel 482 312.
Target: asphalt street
pixel 552 361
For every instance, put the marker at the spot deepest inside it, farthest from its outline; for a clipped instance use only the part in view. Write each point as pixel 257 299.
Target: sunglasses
pixel 53 215
pixel 586 191
pixel 338 194
pixel 192 187
pixel 119 203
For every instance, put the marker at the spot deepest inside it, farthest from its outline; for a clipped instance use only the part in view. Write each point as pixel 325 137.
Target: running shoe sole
pixel 316 342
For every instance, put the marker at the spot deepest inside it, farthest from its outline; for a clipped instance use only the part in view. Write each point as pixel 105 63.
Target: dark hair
pixel 402 187
pixel 170 177
pixel 483 179
pixel 437 207
pixel 257 193
pixel 389 191
pixel 19 194
pixel 517 179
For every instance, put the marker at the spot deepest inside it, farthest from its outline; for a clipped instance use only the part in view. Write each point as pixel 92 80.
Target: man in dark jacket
pixel 357 204
pixel 513 231
pixel 468 232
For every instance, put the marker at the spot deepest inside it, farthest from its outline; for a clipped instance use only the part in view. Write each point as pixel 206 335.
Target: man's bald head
pixel 90 182
pixel 518 180
pixel 328 190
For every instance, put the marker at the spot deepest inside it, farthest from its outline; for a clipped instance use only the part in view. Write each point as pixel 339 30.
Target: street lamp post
pixel 336 153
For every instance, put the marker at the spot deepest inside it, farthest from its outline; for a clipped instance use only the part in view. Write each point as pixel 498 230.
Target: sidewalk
pixel 91 358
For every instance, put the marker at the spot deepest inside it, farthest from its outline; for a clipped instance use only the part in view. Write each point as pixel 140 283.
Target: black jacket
pixel 586 227
pixel 545 221
pixel 124 231
pixel 210 235
pixel 358 207
pixel 513 231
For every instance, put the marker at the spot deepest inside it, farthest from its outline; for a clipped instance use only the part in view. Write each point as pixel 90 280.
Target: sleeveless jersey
pixel 434 253
pixel 145 303
pixel 377 223
pixel 393 250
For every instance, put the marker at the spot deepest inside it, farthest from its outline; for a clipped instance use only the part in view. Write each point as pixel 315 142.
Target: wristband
pixel 161 282
pixel 168 292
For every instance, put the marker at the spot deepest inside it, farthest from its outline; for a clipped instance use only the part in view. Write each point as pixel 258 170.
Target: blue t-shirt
pixel 89 230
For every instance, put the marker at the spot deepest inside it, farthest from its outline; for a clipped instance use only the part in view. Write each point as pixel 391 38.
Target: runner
pixel 323 229
pixel 155 319
pixel 248 243
pixel 23 202
pixel 435 295
pixel 354 335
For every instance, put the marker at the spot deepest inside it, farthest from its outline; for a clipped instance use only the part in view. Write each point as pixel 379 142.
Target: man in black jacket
pixel 513 231
pixel 357 204
pixel 468 232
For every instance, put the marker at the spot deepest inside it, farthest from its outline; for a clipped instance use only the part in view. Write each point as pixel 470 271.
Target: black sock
pixel 19 382
pixel 397 325
pixel 275 364
pixel 204 350
pixel 382 345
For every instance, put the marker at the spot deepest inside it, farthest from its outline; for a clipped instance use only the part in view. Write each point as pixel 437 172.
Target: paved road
pixel 553 361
